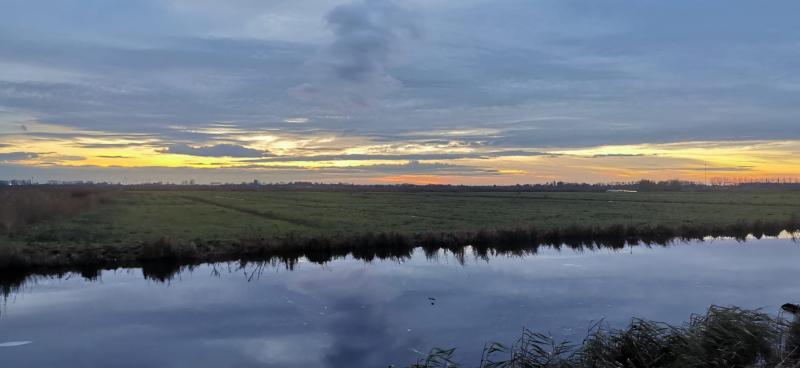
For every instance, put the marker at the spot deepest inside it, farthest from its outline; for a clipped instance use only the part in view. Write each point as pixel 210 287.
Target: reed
pixel 723 337
pixel 367 246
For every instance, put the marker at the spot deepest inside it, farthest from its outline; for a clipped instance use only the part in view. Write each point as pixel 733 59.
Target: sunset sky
pixel 416 91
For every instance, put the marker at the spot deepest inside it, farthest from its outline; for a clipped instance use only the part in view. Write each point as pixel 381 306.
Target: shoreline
pixel 163 257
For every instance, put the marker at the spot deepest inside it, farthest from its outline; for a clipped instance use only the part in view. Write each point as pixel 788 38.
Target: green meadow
pixel 131 217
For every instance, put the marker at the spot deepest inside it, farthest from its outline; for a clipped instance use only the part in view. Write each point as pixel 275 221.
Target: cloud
pixel 219 150
pixel 17 156
pixel 414 166
pixel 109 145
pixel 698 169
pixel 352 71
pixel 365 34
pixel 57 158
pixel 602 155
pixel 410 157
pixel 410 167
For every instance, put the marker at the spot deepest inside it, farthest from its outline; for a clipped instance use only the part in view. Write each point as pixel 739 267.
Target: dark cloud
pixel 219 150
pixel 70 136
pixel 365 33
pixel 352 73
pixel 620 155
pixel 17 156
pixel 109 145
pixel 56 158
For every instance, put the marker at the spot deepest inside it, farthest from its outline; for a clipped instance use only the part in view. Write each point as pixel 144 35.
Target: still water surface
pixel 349 313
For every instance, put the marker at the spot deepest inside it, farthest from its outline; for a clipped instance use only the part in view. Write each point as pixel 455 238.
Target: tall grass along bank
pixel 723 337
pixel 168 254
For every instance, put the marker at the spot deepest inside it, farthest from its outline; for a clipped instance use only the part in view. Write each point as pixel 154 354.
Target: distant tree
pixel 647 186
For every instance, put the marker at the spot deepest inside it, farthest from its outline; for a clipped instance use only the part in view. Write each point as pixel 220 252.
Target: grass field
pixel 229 216
pixel 127 219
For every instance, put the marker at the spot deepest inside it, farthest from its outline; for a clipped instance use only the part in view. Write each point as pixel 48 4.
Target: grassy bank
pixel 133 227
pixel 720 338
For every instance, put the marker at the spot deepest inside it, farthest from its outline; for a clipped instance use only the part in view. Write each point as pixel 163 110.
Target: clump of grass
pixel 791 349
pixel 437 358
pixel 11 258
pixel 12 269
pixel 642 344
pixel 24 206
pixel 794 221
pixel 728 337
pixel 534 350
pixel 723 337
pixel 167 249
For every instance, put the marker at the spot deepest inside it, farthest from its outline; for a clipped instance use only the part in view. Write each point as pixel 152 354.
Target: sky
pixel 414 91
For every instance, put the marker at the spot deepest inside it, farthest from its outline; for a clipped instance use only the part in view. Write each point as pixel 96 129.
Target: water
pixel 356 314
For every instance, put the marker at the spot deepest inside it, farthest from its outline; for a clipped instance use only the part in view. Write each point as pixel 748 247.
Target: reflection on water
pixel 349 312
